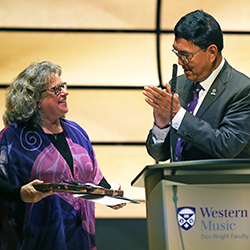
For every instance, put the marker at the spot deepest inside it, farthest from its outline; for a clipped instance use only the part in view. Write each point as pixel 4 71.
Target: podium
pixel 197 204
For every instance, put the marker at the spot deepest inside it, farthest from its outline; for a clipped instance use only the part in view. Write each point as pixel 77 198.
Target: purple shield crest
pixel 186 217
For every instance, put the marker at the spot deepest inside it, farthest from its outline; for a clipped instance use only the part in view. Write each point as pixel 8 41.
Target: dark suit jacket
pixel 221 127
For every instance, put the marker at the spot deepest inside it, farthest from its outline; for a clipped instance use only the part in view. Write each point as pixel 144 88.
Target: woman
pixel 27 193
pixel 38 143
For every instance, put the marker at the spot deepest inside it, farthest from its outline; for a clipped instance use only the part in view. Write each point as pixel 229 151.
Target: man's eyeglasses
pixel 185 59
pixel 58 88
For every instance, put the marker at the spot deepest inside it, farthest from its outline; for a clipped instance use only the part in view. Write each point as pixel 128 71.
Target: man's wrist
pixel 166 126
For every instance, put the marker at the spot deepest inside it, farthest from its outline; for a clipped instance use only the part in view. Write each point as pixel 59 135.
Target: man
pixel 219 126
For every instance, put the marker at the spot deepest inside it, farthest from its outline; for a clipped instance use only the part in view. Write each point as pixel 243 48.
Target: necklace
pixel 55 136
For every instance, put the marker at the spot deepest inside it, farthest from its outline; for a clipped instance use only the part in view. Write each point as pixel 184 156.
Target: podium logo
pixel 186 217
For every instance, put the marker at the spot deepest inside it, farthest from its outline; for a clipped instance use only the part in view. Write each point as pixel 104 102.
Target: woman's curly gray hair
pixel 25 93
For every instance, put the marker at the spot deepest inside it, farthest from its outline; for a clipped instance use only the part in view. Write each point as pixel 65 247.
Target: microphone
pixel 173 89
pixel 173 81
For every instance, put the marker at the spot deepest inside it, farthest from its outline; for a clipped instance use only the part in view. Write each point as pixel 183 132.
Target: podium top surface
pixel 205 168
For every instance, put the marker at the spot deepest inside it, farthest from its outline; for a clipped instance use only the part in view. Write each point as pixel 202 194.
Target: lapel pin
pixel 213 92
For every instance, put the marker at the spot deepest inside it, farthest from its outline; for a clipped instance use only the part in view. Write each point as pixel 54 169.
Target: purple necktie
pixel 190 108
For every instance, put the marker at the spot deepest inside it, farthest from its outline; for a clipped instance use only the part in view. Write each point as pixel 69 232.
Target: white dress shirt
pixel 159 135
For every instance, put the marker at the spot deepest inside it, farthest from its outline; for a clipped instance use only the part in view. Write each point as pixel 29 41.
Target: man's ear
pixel 212 50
